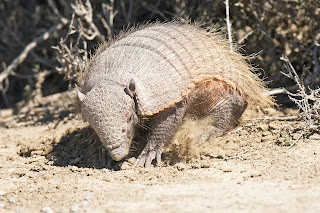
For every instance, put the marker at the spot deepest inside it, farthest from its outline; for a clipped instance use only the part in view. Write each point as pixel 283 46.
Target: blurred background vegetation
pixel 43 43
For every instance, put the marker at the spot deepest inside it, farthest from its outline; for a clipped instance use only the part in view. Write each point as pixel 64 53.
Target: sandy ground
pixel 49 163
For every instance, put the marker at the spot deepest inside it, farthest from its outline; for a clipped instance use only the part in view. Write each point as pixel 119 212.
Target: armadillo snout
pixel 120 152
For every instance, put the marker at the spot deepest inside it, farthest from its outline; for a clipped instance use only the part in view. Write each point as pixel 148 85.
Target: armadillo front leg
pixel 163 126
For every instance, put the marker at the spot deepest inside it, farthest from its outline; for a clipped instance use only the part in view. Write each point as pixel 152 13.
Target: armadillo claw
pixel 158 157
pixel 140 161
pixel 146 159
pixel 105 158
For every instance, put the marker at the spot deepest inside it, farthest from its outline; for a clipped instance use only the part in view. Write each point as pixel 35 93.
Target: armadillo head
pixel 110 110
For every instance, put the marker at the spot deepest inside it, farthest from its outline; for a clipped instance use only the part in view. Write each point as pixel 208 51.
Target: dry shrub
pixel 306 99
pixel 271 27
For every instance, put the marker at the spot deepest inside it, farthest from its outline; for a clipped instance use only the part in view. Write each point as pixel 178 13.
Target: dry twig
pixel 228 24
pixel 109 13
pixel 315 58
pixel 71 57
pixel 307 100
pixel 85 12
pixel 265 118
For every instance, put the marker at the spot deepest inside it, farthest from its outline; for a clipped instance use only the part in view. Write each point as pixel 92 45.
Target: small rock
pixel 74 207
pixel 255 174
pixel 273 126
pixel 195 166
pixel 175 142
pixel 2 193
pixel 180 166
pixel 126 165
pixel 191 136
pixel 204 157
pixel 205 164
pixel 218 152
pixel 47 209
pixel 227 170
pixel 267 138
pixel 131 160
pixel 270 111
pixel 85 202
pixel 19 210
pixel 11 170
pixel 296 186
pixel 266 133
pixel 230 145
pixel 2 205
pixel 11 200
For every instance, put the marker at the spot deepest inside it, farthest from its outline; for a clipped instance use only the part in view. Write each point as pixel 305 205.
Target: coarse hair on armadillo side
pixel 241 76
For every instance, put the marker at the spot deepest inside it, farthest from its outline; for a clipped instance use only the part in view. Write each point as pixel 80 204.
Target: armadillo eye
pixel 130 117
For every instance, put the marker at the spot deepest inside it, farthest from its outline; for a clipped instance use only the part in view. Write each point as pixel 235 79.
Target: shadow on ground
pixel 81 146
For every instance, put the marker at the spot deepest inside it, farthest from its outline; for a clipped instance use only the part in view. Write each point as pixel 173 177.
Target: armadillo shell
pixel 167 61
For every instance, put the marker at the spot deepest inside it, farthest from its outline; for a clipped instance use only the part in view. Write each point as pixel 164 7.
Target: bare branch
pixel 85 12
pixel 38 58
pixel 281 90
pixel 109 14
pixel 4 86
pixel 245 37
pixel 316 60
pixel 23 55
pixel 127 13
pixel 228 24
pixel 289 118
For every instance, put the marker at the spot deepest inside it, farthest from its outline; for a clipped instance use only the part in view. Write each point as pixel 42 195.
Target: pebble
pixel 47 209
pixel 85 202
pixel 11 170
pixel 2 193
pixel 227 170
pixel 19 210
pixel 205 164
pixel 11 200
pixel 74 207
pixel 126 165
pixel 2 205
pixel 180 166
pixel 195 166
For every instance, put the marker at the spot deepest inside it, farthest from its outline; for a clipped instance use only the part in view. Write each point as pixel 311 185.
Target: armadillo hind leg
pixel 223 117
pixel 163 126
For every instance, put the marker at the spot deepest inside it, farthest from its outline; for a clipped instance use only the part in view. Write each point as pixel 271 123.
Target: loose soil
pixel 49 158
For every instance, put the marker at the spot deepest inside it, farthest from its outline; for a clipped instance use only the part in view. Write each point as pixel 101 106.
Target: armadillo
pixel 164 72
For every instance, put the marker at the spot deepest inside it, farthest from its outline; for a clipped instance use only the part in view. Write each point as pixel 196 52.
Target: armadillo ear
pixel 131 88
pixel 81 96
